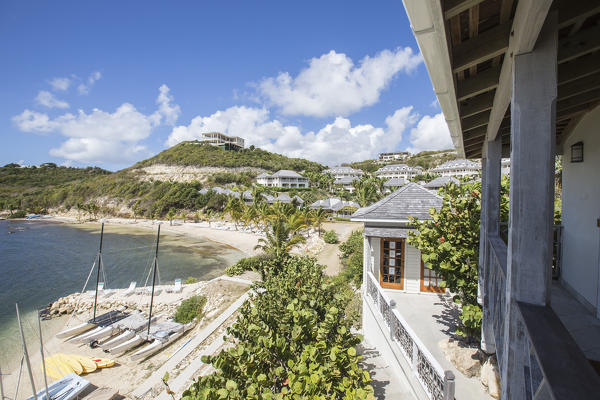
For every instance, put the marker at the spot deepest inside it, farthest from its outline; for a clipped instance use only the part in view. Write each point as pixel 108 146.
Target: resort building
pixel 344 172
pixel 398 171
pixel 347 183
pixel 457 168
pixel 517 79
pixel 223 141
pixel 283 178
pixel 336 206
pixel 393 184
pixel 440 181
pixel 505 166
pixel 396 156
pixel 403 299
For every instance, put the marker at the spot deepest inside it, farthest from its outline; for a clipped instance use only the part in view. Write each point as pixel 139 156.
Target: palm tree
pixel 282 236
pixel 208 213
pixel 318 217
pixel 234 208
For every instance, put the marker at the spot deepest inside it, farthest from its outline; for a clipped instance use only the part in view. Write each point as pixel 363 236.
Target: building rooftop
pixel 334 204
pixel 347 180
pixel 395 182
pixel 411 200
pixel 455 164
pixel 441 181
pixel 343 170
pixel 286 173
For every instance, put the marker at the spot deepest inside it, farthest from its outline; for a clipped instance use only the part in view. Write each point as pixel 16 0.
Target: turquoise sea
pixel 41 261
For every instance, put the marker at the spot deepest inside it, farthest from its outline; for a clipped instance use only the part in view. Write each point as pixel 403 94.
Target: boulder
pixel 467 359
pixel 490 377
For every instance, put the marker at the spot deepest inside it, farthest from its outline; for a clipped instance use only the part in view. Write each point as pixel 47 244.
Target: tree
pixel 318 216
pixel 234 208
pixel 171 215
pixel 283 235
pixel 208 213
pixel 449 245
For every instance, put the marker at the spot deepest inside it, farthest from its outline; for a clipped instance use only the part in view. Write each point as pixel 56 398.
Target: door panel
pixel 391 261
pixel 430 281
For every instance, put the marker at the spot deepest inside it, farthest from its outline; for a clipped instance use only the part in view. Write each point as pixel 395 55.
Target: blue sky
pixel 110 83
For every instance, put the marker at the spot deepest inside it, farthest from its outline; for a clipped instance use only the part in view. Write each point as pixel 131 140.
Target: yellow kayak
pixel 103 362
pixel 58 366
pixel 86 362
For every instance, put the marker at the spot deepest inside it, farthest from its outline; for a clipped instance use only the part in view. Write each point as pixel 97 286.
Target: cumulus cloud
pixel 98 136
pixel 335 143
pixel 60 84
pixel 84 87
pixel 333 85
pixel 166 109
pixel 431 133
pixel 47 99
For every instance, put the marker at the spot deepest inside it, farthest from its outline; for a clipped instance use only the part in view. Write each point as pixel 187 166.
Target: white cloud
pixel 335 143
pixel 98 136
pixel 84 88
pixel 47 99
pixel 170 112
pixel 333 85
pixel 60 84
pixel 431 133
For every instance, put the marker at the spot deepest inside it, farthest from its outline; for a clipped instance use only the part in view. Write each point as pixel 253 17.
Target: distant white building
pixel 347 183
pixel 395 156
pixel 223 141
pixel 336 205
pixel 344 172
pixel 457 168
pixel 283 178
pixel 505 166
pixel 398 171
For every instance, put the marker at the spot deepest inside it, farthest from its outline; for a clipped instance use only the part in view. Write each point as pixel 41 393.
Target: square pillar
pixel 490 225
pixel 531 197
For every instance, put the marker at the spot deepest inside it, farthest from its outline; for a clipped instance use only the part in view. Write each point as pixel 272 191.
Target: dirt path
pixel 329 256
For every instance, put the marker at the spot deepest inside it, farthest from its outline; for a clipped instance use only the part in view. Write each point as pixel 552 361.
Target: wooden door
pixel 391 261
pixel 430 281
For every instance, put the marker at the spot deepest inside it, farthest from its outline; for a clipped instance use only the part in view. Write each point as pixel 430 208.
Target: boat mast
pixel 42 354
pixel 99 268
pixel 153 279
pixel 25 354
pixel 1 386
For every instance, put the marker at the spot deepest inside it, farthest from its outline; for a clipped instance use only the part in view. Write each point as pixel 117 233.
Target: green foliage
pixel 190 280
pixel 254 263
pixel 189 309
pixel 368 190
pixel 18 214
pixel 203 155
pixel 291 342
pixel 330 237
pixel 352 258
pixel 449 245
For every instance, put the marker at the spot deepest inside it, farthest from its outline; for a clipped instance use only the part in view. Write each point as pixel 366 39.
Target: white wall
pixel 580 210
pixel 412 269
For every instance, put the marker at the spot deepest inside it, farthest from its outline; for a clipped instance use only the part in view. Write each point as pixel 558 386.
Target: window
pixel 430 281
pixel 391 273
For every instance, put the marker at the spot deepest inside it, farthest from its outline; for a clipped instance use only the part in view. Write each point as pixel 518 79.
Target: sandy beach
pixel 128 376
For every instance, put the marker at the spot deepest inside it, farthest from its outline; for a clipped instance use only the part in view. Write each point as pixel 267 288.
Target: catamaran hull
pixel 159 344
pixel 76 330
pixel 123 337
pixel 123 347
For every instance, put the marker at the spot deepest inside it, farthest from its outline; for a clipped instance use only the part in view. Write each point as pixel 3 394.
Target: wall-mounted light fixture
pixel 577 152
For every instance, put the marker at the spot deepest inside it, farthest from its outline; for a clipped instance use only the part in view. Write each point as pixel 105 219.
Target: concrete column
pixel 531 196
pixel 490 225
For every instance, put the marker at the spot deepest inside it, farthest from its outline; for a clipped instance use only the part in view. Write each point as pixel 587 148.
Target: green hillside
pixel 197 154
pixel 425 159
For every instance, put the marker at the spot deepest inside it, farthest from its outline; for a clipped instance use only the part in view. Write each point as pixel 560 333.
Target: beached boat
pixel 127 329
pixel 104 319
pixel 160 336
pixel 66 388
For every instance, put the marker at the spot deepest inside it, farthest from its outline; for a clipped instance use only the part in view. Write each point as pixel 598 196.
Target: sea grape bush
pixel 330 237
pixel 189 309
pixel 292 341
pixel 352 258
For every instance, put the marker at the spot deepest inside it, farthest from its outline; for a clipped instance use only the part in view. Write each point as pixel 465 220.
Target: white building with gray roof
pixel 457 168
pixel 344 172
pixel 283 178
pixel 398 171
pixel 440 182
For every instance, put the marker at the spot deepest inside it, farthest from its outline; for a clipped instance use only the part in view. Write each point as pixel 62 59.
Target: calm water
pixel 41 261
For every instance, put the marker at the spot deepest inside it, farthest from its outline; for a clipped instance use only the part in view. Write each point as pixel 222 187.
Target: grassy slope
pixel 199 155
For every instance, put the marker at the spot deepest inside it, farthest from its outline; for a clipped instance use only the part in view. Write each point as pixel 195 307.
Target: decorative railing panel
pixel 437 383
pixel 496 287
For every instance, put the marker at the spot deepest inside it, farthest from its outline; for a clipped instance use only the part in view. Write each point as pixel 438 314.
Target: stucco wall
pixel 581 208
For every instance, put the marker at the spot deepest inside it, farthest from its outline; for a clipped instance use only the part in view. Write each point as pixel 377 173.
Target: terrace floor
pixel 433 317
pixel 581 324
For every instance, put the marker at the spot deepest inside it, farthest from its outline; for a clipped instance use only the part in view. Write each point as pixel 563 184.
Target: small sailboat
pixel 66 388
pixel 160 336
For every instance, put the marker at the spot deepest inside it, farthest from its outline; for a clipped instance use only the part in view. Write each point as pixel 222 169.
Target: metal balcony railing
pixel 437 383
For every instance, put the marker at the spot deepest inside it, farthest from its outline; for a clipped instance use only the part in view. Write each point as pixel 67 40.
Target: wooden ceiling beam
pixel 570 12
pixel 480 83
pixel 579 44
pixel 566 113
pixel 455 7
pixel 475 121
pixel 477 104
pixel 485 46
pixel 583 85
pixel 578 68
pixel 580 99
pixel 475 133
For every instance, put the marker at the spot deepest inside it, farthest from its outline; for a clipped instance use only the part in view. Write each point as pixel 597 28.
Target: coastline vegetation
pixel 190 309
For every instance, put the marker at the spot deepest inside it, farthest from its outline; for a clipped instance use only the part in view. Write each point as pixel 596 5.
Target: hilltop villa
pixel 344 172
pixel 398 171
pixel 283 178
pixel 223 141
pixel 518 79
pixel 457 168
pixel 396 156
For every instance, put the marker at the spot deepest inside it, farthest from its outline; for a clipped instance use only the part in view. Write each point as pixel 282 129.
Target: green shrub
pixel 189 309
pixel 246 264
pixel 330 237
pixel 18 214
pixel 191 279
pixel 292 341
pixel 352 258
